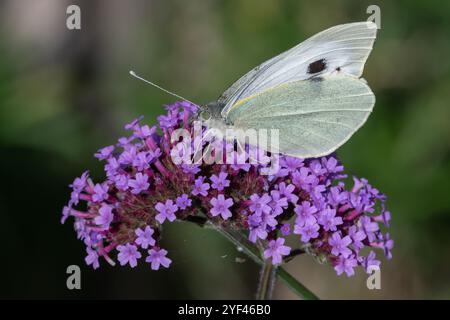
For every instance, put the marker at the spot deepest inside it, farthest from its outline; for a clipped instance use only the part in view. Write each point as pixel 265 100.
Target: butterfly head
pixel 211 111
pixel 210 114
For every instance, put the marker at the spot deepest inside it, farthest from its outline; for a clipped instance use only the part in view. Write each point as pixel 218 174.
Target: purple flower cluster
pixel 305 205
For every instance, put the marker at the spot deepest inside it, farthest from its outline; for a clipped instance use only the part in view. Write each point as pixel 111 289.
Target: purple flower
pixel 339 246
pixel 370 262
pixel 305 213
pixel 336 196
pixel 260 204
pixel 74 197
pixel 105 216
pixel 285 229
pixel 308 231
pixel 287 191
pixel 328 219
pixel 104 153
pixel 158 258
pixel 332 165
pixel 124 142
pixel 144 131
pixel 387 246
pixel 257 232
pixel 167 122
pixel 133 124
pixel 188 107
pixel 65 214
pixel 183 201
pixel 358 184
pixel 139 183
pixel 220 182
pixel 303 178
pixel 189 168
pixel 92 258
pixel 316 168
pixel 278 203
pixel 112 167
pixel 346 265
pixel 127 157
pixel 80 183
pixel 357 237
pixel 200 187
pixel 153 155
pixel 291 163
pixel 100 192
pixel 369 227
pixel 166 211
pixel 280 173
pixel 220 206
pixel 121 182
pixel 144 237
pixel 384 217
pixel 316 192
pixel 128 253
pixel 92 238
pixel 254 220
pixel 276 249
pixel 141 161
pixel 269 219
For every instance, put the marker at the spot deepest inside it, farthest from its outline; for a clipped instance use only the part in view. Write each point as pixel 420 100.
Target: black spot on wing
pixel 317 66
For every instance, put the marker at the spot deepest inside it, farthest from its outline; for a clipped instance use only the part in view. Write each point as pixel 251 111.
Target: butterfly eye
pixel 205 115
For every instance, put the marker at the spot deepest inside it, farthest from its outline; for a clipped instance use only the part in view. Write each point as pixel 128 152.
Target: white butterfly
pixel 313 93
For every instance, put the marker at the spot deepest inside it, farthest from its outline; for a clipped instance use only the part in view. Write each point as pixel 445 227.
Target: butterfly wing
pixel 342 49
pixel 314 118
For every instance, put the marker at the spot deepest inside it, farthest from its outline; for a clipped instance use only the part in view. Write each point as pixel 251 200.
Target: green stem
pixel 243 244
pixel 266 281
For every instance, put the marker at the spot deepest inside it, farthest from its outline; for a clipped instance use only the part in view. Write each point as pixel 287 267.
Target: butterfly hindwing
pixel 313 117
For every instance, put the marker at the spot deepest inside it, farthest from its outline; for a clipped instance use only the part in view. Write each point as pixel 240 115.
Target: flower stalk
pixel 266 281
pixel 241 242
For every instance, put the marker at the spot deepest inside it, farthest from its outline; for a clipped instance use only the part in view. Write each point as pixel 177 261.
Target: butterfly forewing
pixel 342 49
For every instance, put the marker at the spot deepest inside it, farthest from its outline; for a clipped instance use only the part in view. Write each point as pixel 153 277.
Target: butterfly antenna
pixel 159 87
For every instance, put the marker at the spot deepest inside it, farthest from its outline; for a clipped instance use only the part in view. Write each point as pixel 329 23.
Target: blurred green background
pixel 64 94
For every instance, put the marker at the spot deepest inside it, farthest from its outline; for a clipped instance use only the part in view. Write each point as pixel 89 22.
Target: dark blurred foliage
pixel 63 94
